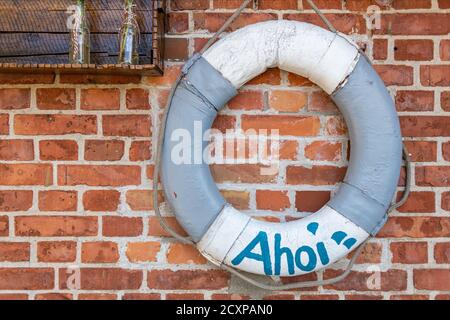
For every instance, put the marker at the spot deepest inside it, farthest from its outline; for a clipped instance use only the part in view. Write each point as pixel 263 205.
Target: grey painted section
pixel 190 188
pixel 376 149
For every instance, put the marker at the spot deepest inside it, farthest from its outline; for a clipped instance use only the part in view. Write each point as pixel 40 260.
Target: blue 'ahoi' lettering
pixel 291 259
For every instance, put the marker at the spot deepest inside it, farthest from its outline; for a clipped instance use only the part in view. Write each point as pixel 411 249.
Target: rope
pixel 186 240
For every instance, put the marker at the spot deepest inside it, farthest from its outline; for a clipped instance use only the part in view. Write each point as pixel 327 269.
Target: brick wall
pixel 77 160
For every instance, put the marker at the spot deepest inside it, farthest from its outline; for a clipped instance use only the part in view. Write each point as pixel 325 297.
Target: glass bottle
pixel 129 36
pixel 80 47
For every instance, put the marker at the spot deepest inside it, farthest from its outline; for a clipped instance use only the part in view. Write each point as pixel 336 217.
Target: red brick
pixel 380 49
pixel 278 4
pixel 224 122
pixel 272 76
pixel 122 226
pixel 109 176
pixel 414 100
pixel 104 279
pixel 311 201
pixel 155 229
pixel 446 150
pixel 4 226
pixel 101 200
pixel 57 200
pixel 104 150
pixel 316 176
pixel 141 200
pixel 272 200
pixel 141 296
pixel 26 78
pixel 287 101
pixel 189 4
pixel 442 297
pixel 413 50
pixel 13 296
pixel 288 150
pixel 176 48
pixel 180 253
pixel 27 278
pixel 442 252
pixel 391 280
pixel 247 100
pixel 418 201
pixel 324 151
pixel 138 99
pixel 177 22
pixel 100 99
pixel 238 199
pixel 54 124
pixel 286 125
pixel 87 78
pixel 409 252
pixel 444 4
pixel 54 150
pixel 321 102
pixel 143 251
pixel 52 251
pixel 53 296
pixel 14 251
pixel 445 100
pixel 140 150
pixel 4 123
pixel 20 150
pixel 335 126
pixel 432 279
pixel 283 296
pixel 170 75
pixel 55 226
pixel 185 296
pixel 319 297
pixel 229 297
pixel 371 253
pixel 55 98
pixel 395 75
pixel 26 174
pixel 15 200
pixel 99 252
pixel 14 98
pixel 343 22
pixel 416 227
pixel 414 24
pixel 410 297
pixel 444 50
pixel 422 151
pixel 229 4
pixel 187 279
pixel 445 201
pixel 240 173
pixel 425 126
pixel 298 81
pixel 433 176
pixel 127 125
pixel 212 21
pixel 361 5
pixel 435 75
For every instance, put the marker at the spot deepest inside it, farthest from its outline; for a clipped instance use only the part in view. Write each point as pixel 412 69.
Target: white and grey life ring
pixel 226 236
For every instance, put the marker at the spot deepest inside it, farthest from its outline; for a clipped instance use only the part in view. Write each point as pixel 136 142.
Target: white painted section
pixel 220 237
pixel 235 229
pixel 302 48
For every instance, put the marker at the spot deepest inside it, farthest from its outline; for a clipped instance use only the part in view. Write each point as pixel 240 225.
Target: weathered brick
pixel 414 24
pixel 324 151
pixel 409 100
pixel 286 125
pixel 127 125
pixel 137 99
pixel 100 99
pixel 56 98
pixel 4 226
pixel 88 78
pixel 416 227
pixel 391 280
pixel 180 253
pixel 101 200
pixel 418 201
pixel 140 150
pixel 122 226
pixel 55 226
pixel 19 150
pixel 54 124
pixel 104 279
pixel 247 100
pixel 155 229
pixel 14 251
pixel 395 75
pixel 54 150
pixel 99 252
pixel 26 174
pixel 98 175
pixel 26 78
pixel 141 200
pixel 444 50
pixel 287 101
pixel 56 251
pixel 433 176
pixel 435 75
pixel 57 200
pixel 409 252
pixel 187 279
pixel 15 200
pixel 442 252
pixel 104 150
pixel 316 176
pixel 413 50
pixel 311 201
pixel 425 126
pixel 343 22
pixel 14 98
pixel 243 173
pixel 27 278
pixel 432 279
pixel 272 200
pixel 143 251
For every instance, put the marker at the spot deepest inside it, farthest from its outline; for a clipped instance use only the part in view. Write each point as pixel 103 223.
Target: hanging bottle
pixel 79 52
pixel 129 36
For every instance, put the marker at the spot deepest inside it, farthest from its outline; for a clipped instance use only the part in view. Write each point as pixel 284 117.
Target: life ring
pixel 358 209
